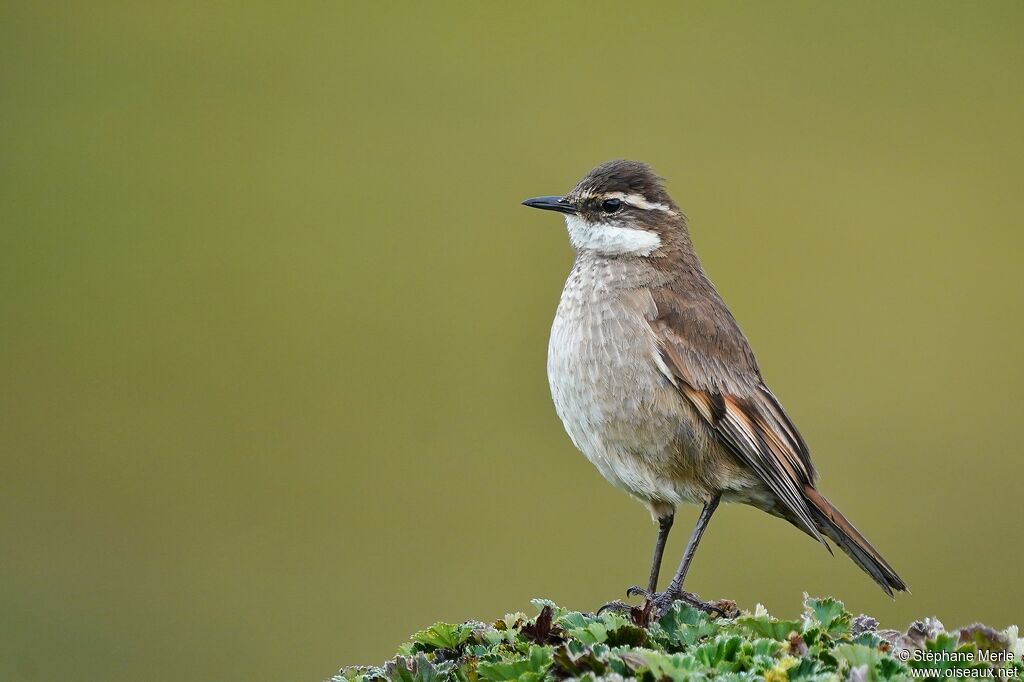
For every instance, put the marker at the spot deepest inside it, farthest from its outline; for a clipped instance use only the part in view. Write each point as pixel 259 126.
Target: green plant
pixel 825 643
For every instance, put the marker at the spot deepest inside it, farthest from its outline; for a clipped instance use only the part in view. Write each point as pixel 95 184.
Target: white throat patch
pixel 610 240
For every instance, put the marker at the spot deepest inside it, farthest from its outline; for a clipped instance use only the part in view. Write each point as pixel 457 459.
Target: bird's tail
pixel 836 527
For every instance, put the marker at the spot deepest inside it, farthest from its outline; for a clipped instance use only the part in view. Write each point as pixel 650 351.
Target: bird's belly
pixel 617 407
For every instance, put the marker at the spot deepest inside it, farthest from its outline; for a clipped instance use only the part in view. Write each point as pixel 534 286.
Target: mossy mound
pixel 825 643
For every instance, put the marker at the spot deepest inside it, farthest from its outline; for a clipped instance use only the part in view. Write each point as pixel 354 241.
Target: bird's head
pixel 620 208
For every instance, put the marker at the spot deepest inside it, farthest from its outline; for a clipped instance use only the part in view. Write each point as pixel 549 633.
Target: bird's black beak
pixel 551 204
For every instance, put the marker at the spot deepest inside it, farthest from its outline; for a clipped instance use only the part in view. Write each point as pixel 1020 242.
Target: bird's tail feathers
pixel 836 527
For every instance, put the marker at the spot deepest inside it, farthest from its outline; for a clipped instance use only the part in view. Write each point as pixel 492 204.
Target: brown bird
pixel 657 386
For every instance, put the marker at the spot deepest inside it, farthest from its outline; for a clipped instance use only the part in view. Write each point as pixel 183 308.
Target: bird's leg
pixel 674 592
pixel 662 601
pixel 664 526
pixel 676 586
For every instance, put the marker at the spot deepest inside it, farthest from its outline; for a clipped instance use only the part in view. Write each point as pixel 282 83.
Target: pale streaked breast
pixel 617 407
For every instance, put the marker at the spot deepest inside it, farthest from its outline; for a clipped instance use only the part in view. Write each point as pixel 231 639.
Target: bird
pixel 657 386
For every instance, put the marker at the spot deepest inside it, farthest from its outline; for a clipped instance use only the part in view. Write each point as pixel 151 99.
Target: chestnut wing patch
pixel 742 413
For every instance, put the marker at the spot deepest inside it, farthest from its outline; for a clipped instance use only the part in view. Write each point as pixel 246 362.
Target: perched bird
pixel 657 386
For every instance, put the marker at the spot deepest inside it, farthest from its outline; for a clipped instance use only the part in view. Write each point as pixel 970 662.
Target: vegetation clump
pixel 825 643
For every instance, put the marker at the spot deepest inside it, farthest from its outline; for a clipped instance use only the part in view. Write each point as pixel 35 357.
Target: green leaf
pixel 718 653
pixel 808 670
pixel 591 634
pixel 686 615
pixel 831 615
pixel 677 667
pixel 867 639
pixel 589 630
pixel 682 627
pixel 857 655
pixel 889 668
pixel 567 664
pixel 765 647
pixel 627 635
pixel 492 638
pixel 525 669
pixel 942 642
pixel 443 636
pixel 574 620
pixel 541 603
pixel 418 669
pixel 766 626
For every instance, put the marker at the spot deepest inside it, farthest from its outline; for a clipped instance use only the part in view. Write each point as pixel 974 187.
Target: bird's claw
pixel 619 606
pixel 637 591
pixel 615 606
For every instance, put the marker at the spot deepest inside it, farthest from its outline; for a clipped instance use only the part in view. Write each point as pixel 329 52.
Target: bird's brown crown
pixel 621 177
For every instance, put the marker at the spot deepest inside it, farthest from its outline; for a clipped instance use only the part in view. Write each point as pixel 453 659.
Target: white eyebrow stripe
pixel 638 201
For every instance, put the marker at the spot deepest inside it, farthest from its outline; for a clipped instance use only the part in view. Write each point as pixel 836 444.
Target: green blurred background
pixel 273 323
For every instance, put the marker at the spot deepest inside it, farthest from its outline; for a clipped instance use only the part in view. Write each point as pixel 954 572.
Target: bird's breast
pixel 599 357
pixel 617 407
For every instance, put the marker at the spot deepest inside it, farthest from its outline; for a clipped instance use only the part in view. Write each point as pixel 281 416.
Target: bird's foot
pixel 662 603
pixel 657 604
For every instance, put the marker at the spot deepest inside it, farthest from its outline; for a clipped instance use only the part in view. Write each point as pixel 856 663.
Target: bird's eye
pixel 611 205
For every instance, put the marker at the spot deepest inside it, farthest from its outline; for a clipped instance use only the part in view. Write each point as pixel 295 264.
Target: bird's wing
pixel 703 353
